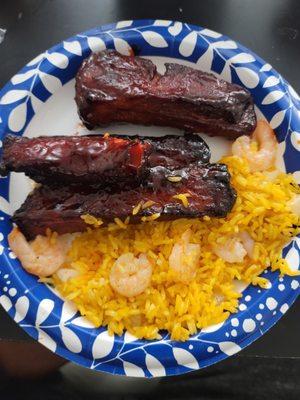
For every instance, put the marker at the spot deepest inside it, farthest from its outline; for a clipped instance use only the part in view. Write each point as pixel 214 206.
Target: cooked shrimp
pixel 39 257
pixel 272 175
pixel 184 258
pixel 263 158
pixel 295 205
pixel 64 274
pixel 231 251
pixel 130 276
pixel 247 242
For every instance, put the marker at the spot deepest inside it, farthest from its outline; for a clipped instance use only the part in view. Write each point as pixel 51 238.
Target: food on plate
pixel 193 282
pixel 195 191
pixel 168 270
pixel 184 258
pixel 98 160
pixel 129 275
pixel 126 227
pixel 260 150
pixel 42 257
pixel 111 87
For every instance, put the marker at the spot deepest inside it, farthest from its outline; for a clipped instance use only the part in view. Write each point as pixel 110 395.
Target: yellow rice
pixel 91 220
pixel 261 209
pixel 183 197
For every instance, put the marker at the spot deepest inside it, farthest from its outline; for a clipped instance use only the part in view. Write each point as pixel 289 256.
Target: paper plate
pixel 39 100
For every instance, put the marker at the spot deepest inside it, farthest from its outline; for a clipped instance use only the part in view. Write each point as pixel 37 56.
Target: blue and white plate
pixel 39 100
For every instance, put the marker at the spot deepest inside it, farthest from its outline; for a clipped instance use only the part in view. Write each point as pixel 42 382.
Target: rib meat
pixel 98 160
pixel 111 87
pixel 208 186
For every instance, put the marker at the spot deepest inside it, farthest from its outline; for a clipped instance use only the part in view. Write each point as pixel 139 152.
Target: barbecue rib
pixel 98 160
pixel 208 186
pixel 111 87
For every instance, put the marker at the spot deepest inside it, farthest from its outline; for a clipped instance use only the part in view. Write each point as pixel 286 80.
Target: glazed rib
pixel 111 87
pixel 98 160
pixel 207 185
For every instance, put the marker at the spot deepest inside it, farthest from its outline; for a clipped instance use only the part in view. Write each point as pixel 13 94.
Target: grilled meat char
pixel 111 87
pixel 98 160
pixel 208 186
